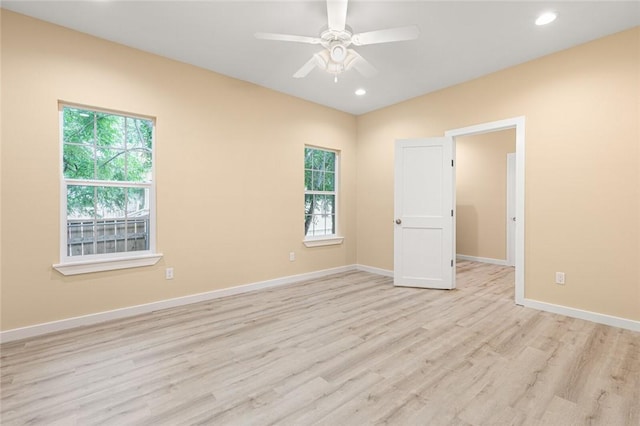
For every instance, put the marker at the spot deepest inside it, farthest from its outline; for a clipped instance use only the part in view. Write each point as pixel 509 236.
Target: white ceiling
pixel 458 41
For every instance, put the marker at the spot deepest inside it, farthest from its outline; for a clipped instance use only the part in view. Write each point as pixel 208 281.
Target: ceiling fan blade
pixel 287 37
pixel 337 14
pixel 360 64
pixel 307 68
pixel 386 36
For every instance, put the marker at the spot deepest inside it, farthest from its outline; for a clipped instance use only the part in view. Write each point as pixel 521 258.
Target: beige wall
pixel 214 133
pixel 582 168
pixel 229 156
pixel 481 193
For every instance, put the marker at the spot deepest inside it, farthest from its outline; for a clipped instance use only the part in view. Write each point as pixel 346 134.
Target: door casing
pixel 511 210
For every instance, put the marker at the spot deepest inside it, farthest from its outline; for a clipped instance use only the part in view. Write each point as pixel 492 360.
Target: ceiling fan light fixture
pixel 338 53
pixel 546 18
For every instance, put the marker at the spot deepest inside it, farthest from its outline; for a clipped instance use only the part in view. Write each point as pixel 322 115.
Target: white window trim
pixel 329 240
pixel 333 239
pixel 107 263
pixel 72 265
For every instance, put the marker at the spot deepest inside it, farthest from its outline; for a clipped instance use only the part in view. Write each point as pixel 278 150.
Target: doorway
pixel 517 123
pixel 483 217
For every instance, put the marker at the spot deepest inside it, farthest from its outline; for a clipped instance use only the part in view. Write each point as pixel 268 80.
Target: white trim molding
pixel 69 323
pixel 109 264
pixel 323 241
pixel 482 259
pixel 374 270
pixel 596 317
pixel 99 317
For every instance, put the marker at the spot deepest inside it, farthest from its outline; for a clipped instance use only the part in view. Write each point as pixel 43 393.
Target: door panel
pixel 423 236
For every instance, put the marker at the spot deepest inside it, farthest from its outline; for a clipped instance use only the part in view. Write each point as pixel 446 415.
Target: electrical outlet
pixel 292 256
pixel 168 273
pixel 560 278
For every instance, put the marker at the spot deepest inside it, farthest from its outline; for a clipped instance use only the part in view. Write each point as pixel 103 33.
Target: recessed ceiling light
pixel 546 18
pixel 361 92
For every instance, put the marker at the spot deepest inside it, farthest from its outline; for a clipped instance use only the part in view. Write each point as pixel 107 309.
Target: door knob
pixel 398 221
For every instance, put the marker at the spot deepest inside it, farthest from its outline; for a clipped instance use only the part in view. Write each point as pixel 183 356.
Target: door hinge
pixel 452 263
pixel 451 163
pixel 451 212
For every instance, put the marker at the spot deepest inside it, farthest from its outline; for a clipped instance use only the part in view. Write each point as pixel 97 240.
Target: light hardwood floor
pixel 349 349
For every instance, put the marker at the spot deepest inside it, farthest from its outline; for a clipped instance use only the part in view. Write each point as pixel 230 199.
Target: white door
pixel 424 240
pixel 511 209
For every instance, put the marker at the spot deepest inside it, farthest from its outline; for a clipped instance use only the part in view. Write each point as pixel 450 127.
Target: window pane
pixel 308 178
pixel 110 164
pixel 317 159
pixel 109 130
pixel 77 162
pixel 109 233
pixel 308 203
pixel 110 202
pixel 78 126
pixel 308 225
pixel 329 181
pixel 139 133
pixel 308 156
pixel 138 165
pixel 319 225
pixel 316 204
pixel 137 233
pixel 137 229
pixel 317 183
pixel 80 237
pixel 80 220
pixel 80 202
pixel 329 204
pixel 312 225
pixel 330 161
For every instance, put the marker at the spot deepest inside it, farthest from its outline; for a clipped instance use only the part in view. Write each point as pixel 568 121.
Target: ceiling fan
pixel 336 56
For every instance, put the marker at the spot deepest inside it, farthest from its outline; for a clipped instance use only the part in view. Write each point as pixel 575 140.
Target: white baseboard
pixel 584 315
pixel 482 259
pixel 69 323
pixel 534 304
pixel 373 270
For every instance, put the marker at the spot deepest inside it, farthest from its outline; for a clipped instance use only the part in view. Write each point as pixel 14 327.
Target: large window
pixel 320 198
pixel 107 184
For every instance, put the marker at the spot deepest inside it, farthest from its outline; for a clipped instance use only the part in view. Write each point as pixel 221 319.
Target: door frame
pixel 517 123
pixel 511 209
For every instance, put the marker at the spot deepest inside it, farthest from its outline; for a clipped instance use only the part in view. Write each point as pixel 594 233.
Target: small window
pixel 107 185
pixel 320 192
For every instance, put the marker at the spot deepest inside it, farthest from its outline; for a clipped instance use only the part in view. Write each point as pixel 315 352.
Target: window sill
pixel 323 241
pixel 111 264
